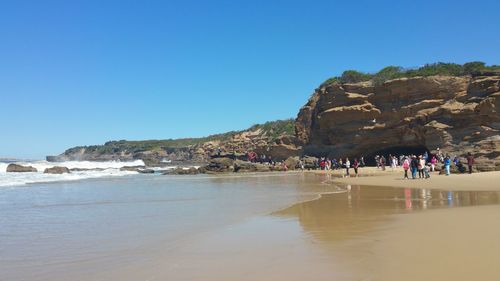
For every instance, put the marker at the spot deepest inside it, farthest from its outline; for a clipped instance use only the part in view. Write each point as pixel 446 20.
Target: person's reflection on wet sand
pixel 408 203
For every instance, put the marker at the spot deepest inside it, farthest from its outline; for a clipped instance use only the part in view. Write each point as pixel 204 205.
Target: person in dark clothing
pixel 382 162
pixel 355 165
pixel 470 161
pixel 414 166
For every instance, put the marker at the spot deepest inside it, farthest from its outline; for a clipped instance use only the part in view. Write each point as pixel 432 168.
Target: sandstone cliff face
pixel 456 114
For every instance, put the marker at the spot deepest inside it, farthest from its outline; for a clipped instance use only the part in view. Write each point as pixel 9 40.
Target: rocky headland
pixel 456 114
pixel 275 139
pixel 447 106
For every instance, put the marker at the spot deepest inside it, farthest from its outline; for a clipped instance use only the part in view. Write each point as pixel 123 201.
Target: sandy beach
pixel 371 176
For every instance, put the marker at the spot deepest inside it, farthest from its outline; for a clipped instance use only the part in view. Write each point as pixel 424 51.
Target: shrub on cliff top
pixel 393 72
pixel 387 73
pixel 353 76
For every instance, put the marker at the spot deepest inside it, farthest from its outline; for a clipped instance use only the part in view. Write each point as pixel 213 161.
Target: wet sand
pixel 452 244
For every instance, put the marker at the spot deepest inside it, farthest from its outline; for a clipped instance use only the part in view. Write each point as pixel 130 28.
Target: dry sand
pixel 487 181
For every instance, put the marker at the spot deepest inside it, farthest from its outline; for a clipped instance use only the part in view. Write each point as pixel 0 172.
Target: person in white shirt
pixel 347 165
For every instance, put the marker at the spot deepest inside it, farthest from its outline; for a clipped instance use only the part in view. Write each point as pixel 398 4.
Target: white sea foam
pixel 109 169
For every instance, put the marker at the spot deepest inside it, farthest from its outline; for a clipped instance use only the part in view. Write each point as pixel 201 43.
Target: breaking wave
pixel 99 169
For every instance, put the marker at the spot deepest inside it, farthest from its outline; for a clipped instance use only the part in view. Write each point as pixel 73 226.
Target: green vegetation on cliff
pixel 272 129
pixel 475 68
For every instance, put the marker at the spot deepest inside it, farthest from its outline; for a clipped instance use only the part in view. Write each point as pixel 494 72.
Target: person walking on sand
pixel 406 166
pixel 347 165
pixel 447 163
pixel 362 161
pixel 470 161
pixel 355 165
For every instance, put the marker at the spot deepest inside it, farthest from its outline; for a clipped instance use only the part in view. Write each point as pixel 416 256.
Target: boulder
pixel 292 162
pixel 132 168
pixel 182 171
pixel 57 170
pixel 145 171
pixel 85 169
pixel 15 168
pixel 220 165
pixel 310 162
pixel 245 166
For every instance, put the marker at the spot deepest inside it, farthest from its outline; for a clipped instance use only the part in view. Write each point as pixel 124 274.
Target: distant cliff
pixel 274 139
pixel 458 114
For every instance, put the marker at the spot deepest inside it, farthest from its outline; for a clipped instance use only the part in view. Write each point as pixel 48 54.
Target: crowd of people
pixel 424 163
pixel 414 166
pixel 325 163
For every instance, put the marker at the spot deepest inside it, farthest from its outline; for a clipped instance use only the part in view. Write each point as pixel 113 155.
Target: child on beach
pixel 355 165
pixel 347 165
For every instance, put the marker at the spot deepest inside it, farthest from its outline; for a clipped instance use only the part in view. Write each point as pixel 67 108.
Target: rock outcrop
pixel 15 168
pixel 182 171
pixel 132 168
pixel 56 170
pixel 274 139
pixel 457 114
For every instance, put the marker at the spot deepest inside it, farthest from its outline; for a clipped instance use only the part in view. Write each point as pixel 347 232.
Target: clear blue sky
pixel 84 72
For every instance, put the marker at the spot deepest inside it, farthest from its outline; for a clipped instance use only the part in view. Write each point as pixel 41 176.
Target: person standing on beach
pixel 382 162
pixel 377 161
pixel 421 165
pixel 447 163
pixel 347 165
pixel 355 165
pixel 362 161
pixel 470 161
pixel 406 166
pixel 413 166
pixel 433 163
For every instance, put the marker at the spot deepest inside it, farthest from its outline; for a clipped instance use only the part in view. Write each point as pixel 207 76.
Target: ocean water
pixel 102 228
pixel 110 169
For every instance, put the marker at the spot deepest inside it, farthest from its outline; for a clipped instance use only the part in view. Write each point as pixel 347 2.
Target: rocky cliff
pixel 275 139
pixel 457 114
